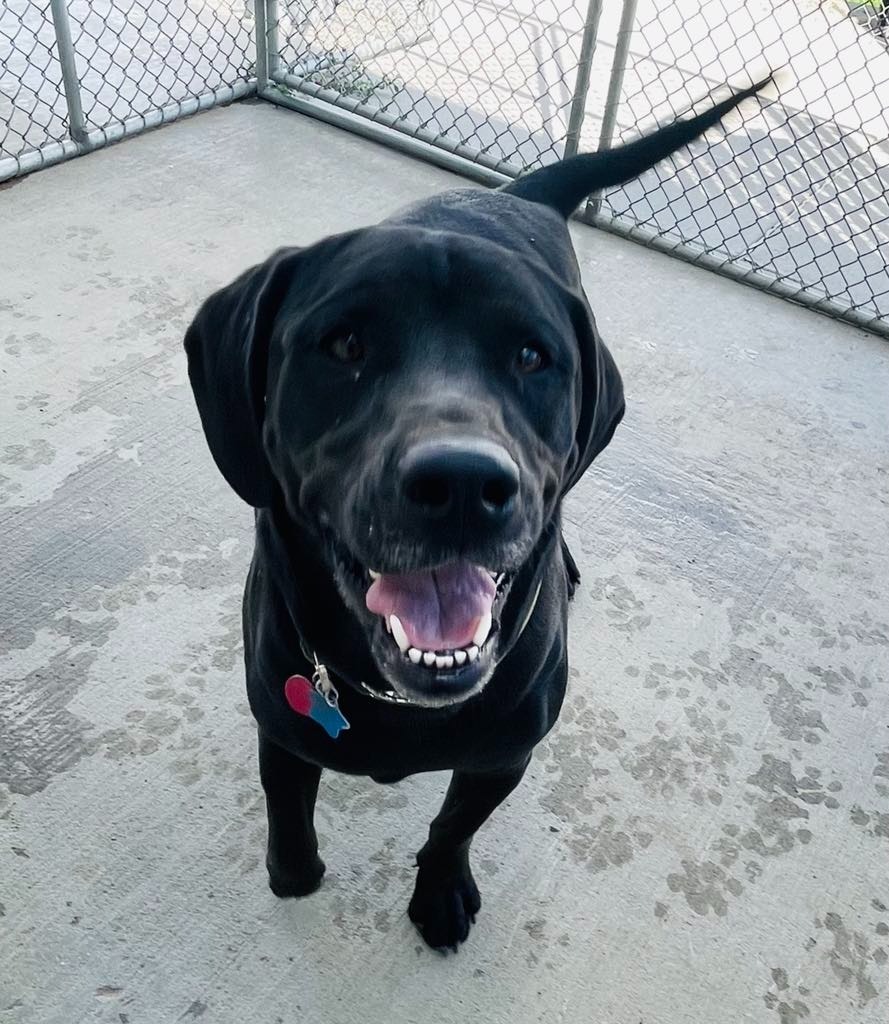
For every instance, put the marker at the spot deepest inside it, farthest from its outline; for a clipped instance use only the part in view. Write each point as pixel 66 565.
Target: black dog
pixel 406 406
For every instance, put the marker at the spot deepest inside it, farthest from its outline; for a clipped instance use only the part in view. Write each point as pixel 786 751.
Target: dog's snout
pixel 472 479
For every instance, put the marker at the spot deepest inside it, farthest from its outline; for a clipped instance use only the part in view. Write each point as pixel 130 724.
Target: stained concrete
pixel 704 837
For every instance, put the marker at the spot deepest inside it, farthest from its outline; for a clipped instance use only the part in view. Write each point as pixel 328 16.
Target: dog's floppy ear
pixel 227 346
pixel 601 396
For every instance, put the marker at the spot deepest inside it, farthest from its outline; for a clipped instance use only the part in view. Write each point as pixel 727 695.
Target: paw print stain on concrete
pixel 697 761
pixel 32 455
pixel 355 915
pixel 780 801
pixel 788 1007
pixel 850 959
pixel 788 711
pixel 706 886
pixel 624 610
pixel 874 823
pixel 608 843
pixel 575 762
pixel 843 682
pixel 881 772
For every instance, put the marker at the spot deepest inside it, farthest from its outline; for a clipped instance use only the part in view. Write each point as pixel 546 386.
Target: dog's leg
pixel 571 569
pixel 291 786
pixel 446 898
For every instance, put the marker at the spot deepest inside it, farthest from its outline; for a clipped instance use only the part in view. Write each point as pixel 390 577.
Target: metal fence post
pixel 70 81
pixel 582 85
pixel 615 84
pixel 266 19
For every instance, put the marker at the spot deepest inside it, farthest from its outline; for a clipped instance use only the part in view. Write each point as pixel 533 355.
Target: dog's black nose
pixel 472 479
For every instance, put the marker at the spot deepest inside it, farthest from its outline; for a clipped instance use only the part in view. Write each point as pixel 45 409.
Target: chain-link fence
pixel 796 197
pixel 76 74
pixel 485 79
pixel 793 198
pixel 493 82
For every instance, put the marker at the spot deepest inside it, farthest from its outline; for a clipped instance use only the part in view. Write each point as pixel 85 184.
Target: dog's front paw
pixel 444 906
pixel 289 883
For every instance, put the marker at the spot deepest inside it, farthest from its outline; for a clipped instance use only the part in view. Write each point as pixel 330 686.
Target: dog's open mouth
pixel 433 631
pixel 436 632
pixel 440 618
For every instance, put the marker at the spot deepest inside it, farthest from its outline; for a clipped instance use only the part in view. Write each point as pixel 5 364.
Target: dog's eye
pixel 344 346
pixel 530 359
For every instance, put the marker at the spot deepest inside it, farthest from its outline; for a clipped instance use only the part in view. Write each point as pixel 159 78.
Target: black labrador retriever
pixel 406 406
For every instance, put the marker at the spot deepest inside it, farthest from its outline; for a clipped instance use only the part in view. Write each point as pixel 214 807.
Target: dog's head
pixel 419 396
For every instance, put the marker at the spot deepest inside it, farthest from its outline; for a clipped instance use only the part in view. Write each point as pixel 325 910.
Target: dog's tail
pixel 564 186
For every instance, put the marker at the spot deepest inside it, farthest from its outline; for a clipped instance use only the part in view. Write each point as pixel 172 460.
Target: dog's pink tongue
pixel 440 609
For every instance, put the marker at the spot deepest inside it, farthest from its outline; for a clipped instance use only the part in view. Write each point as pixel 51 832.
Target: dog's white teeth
pixel 499 578
pixel 443 659
pixel 482 630
pixel 374 575
pixel 398 633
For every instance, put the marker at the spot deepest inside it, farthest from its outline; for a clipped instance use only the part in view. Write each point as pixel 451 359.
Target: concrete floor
pixel 705 835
